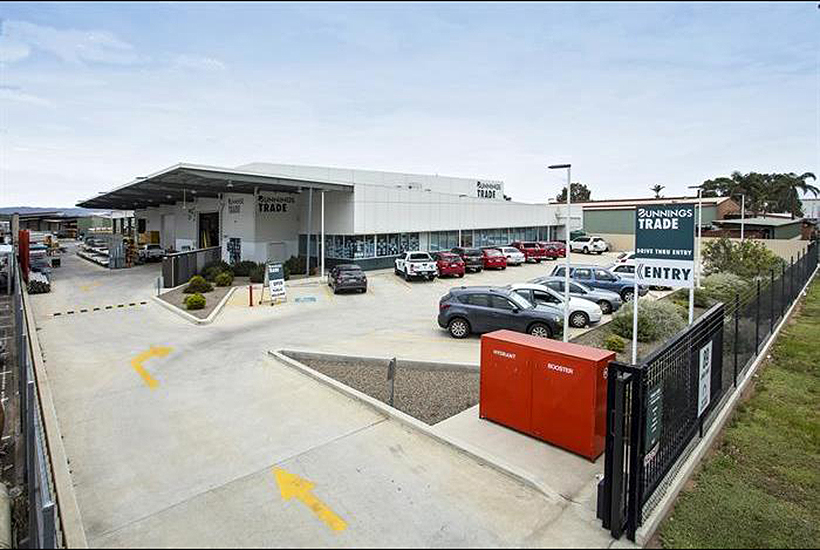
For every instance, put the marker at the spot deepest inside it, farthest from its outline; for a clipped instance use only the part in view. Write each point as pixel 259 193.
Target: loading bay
pixel 185 435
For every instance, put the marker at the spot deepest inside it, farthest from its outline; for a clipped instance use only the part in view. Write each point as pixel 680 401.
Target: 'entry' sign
pixel 665 245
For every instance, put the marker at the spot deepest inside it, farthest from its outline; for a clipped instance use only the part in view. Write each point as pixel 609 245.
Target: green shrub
pixel 681 297
pixel 224 279
pixel 614 343
pixel 198 284
pixel 243 268
pixel 220 264
pixel 747 259
pixel 723 287
pixel 656 319
pixel 195 301
pixel 257 274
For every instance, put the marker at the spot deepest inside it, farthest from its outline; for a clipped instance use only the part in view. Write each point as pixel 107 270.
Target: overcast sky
pixel 93 95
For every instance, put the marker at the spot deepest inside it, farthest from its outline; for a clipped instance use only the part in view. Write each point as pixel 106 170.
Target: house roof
pixel 761 221
pixel 620 204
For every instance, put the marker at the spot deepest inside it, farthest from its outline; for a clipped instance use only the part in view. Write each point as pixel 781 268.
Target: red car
pixel 530 249
pixel 551 250
pixel 493 259
pixel 560 247
pixel 449 264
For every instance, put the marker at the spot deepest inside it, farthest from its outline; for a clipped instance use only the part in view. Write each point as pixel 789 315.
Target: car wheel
pixel 460 275
pixel 395 270
pixel 606 307
pixel 541 330
pixel 586 250
pixel 406 276
pixel 363 290
pixel 458 328
pixel 335 291
pixel 578 319
pixel 627 295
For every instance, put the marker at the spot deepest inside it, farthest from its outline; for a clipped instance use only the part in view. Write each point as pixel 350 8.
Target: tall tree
pixel 657 188
pixel 787 189
pixel 580 193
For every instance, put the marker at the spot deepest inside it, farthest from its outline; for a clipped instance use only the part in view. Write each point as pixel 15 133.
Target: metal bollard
pixel 250 295
pixel 391 377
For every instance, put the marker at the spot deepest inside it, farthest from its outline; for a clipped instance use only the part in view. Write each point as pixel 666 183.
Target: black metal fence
pixel 179 267
pixel 659 410
pixel 43 530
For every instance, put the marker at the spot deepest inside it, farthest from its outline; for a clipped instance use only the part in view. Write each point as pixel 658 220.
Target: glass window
pixel 434 241
pixel 583 274
pixel 519 301
pixel 603 275
pixel 524 293
pixel 412 241
pixel 545 297
pixel 482 300
pixel 577 289
pixel 558 272
pixel 557 286
pixel 500 302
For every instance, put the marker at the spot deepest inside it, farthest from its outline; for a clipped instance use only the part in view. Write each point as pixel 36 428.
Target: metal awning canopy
pixel 189 181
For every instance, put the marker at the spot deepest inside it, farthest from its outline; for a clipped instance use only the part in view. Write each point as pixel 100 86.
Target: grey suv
pixel 601 278
pixel 478 309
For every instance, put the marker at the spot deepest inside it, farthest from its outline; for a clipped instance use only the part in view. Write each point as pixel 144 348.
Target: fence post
pixel 791 280
pixel 782 290
pixel 757 319
pixel 737 321
pixel 771 304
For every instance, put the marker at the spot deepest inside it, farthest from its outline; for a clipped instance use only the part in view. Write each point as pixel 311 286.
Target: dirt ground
pixel 212 299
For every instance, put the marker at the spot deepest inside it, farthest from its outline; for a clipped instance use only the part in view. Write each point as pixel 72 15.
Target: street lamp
pixel 566 236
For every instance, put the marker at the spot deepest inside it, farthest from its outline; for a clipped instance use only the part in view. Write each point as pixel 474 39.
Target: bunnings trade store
pixel 270 212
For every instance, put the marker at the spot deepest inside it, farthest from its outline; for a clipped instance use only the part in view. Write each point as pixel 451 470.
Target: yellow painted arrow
pixel 293 486
pixel 137 362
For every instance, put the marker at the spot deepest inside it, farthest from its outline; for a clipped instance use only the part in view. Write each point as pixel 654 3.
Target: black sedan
pixel 347 277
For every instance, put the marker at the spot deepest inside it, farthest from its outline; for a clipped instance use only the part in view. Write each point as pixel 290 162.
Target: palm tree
pixel 657 188
pixel 786 190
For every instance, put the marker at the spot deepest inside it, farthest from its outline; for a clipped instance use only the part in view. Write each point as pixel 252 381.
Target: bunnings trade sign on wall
pixel 665 245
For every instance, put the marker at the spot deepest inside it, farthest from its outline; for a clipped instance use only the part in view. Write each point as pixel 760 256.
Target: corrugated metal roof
pixel 761 220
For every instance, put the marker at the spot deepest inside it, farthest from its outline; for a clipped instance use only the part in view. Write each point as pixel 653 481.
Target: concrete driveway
pixel 190 460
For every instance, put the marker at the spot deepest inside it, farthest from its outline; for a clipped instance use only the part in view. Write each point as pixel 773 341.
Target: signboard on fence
pixel 275 275
pixel 704 378
pixel 665 245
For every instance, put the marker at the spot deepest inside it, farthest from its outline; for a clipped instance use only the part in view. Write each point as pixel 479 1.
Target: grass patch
pixel 761 487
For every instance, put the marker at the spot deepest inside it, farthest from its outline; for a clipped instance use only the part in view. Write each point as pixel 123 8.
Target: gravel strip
pixel 430 396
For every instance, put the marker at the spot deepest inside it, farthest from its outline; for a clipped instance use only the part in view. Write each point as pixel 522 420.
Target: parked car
pixel 478 309
pixel 449 264
pixel 588 245
pixel 493 259
pixel 347 277
pixel 608 301
pixel 598 277
pixel 551 252
pixel 560 247
pixel 472 257
pixel 530 249
pixel 513 255
pixel 581 312
pixel 416 264
pixel 625 257
pixel 151 253
pixel 626 270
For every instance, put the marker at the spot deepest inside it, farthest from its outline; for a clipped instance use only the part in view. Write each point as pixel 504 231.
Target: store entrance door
pixel 208 229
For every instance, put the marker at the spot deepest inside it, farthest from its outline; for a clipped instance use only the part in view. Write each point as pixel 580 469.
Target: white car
pixel 513 255
pixel 588 245
pixel 151 252
pixel 581 312
pixel 416 264
pixel 625 258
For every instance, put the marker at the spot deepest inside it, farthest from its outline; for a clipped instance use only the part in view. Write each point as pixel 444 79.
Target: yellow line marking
pixel 89 286
pixel 293 486
pixel 137 363
pixel 329 292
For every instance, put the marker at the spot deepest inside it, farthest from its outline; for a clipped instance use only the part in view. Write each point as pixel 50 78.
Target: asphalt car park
pixel 172 427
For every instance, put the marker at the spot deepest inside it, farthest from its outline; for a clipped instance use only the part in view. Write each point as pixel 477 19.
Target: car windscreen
pixel 529 245
pixel 492 252
pixel 472 252
pixel 419 258
pixel 349 268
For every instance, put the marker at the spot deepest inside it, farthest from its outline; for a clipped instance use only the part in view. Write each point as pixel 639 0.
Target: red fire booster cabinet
pixel 551 390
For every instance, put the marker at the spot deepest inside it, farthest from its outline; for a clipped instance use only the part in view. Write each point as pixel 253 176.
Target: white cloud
pixel 9 93
pixel 71 45
pixel 12 50
pixel 200 63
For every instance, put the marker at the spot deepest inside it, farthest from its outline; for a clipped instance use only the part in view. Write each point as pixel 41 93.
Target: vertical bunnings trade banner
pixel 665 245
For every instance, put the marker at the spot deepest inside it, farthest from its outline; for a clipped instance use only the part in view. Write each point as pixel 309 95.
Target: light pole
pixel 696 282
pixel 566 256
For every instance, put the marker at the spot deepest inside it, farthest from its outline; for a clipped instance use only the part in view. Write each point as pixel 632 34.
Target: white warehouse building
pixel 270 212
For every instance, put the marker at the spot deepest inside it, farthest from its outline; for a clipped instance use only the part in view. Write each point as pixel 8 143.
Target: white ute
pixel 416 264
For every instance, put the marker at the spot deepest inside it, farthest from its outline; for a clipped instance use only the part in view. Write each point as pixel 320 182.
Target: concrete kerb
pixel 408 421
pixel 645 533
pixel 375 361
pixel 192 318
